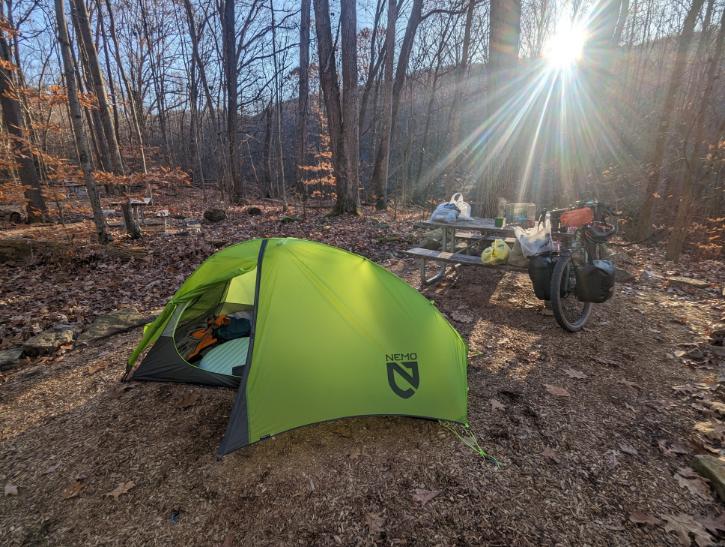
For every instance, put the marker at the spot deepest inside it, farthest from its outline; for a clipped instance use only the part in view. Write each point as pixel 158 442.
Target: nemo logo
pixel 406 371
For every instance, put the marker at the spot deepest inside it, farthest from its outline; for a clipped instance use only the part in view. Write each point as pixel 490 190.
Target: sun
pixel 565 47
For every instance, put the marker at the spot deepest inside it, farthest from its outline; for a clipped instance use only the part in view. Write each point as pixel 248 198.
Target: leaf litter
pixel 74 409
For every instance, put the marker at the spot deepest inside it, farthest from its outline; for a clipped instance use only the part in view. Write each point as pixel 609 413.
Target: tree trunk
pixel 132 227
pixel 94 69
pixel 303 95
pixel 456 144
pixel 350 202
pixel 504 43
pixel 278 108
pixel 13 121
pixel 382 158
pixel 132 105
pixel 416 13
pixel 331 91
pixel 693 169
pixel 77 121
pixel 644 225
pixel 157 83
pixel 231 76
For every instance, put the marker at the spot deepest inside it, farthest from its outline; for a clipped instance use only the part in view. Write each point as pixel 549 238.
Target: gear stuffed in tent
pixel 331 334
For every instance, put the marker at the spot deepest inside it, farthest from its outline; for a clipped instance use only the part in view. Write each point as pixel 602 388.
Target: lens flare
pixel 565 47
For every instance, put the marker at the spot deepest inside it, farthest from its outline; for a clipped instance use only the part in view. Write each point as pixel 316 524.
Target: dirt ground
pixel 594 432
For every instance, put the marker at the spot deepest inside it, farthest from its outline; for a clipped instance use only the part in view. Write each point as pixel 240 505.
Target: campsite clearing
pixel 602 466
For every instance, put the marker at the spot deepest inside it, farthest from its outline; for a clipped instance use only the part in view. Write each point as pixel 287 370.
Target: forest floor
pixel 595 433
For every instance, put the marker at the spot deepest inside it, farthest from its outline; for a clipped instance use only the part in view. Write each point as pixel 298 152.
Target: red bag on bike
pixel 577 218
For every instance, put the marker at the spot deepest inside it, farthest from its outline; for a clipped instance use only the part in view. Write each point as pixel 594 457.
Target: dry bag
pixel 595 281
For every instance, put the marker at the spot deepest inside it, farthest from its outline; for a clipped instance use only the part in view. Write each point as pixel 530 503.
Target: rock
pixel 288 219
pixel 113 323
pixel 695 354
pixel 253 211
pixel 623 276
pixel 49 340
pixel 712 468
pixel 687 282
pixel 9 357
pixel 647 276
pixel 215 215
pixel 717 336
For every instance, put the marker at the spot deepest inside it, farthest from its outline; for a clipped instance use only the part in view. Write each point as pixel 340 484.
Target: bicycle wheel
pixel 569 312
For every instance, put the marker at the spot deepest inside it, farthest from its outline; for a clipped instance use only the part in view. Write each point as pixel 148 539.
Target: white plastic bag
pixel 445 212
pixel 463 207
pixel 536 240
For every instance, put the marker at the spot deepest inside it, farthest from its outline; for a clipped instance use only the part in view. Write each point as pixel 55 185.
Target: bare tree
pixel 458 92
pixel 303 93
pixel 84 157
pixel 694 163
pixel 382 159
pixel 94 70
pixel 350 122
pixel 13 121
pixel 644 225
pixel 228 18
pixel 331 91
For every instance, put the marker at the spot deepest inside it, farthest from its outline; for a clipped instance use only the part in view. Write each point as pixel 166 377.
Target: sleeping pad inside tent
pixel 307 333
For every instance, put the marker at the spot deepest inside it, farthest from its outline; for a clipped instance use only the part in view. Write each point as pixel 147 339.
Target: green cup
pixel 499 222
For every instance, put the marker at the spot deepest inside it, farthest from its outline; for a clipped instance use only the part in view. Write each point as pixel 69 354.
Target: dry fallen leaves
pixel 97 368
pixel 638 517
pixel 571 373
pixel 73 489
pixel 375 523
pixel 550 454
pixel 671 448
pixel 462 317
pixel 716 525
pixel 188 400
pixel 556 390
pixel 11 489
pixel 628 449
pixel 684 525
pixel 122 488
pixel 496 405
pixel 630 384
pixel 424 496
pixel 687 478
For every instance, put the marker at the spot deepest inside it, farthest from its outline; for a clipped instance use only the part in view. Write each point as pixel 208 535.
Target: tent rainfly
pixel 332 334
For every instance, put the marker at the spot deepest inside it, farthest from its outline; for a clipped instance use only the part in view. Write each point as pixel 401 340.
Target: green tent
pixel 332 335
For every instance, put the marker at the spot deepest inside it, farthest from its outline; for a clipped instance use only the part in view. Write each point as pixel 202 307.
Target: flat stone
pixel 113 323
pixel 9 357
pixel 623 276
pixel 688 281
pixel 49 340
pixel 712 468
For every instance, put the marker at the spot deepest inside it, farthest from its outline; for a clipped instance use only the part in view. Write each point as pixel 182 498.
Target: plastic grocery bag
pixel 445 212
pixel 536 240
pixel 497 253
pixel 516 257
pixel 463 207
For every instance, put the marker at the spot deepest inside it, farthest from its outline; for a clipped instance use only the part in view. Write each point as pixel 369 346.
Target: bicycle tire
pixel 559 284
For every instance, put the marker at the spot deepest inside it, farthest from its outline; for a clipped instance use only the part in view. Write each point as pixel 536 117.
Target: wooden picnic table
pixel 483 226
pixel 474 230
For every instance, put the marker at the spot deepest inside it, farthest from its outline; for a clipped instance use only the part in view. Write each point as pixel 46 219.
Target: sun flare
pixel 565 47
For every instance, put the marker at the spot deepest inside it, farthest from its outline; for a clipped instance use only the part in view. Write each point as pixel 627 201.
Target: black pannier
pixel 595 281
pixel 540 269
